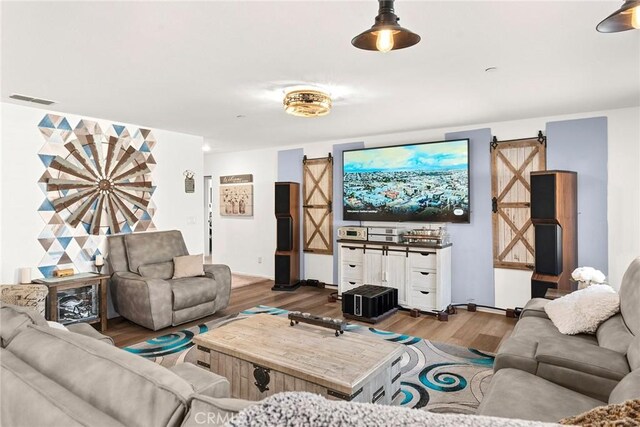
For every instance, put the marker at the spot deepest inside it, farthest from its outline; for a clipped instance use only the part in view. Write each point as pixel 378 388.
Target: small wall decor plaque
pixel 189 182
pixel 236 179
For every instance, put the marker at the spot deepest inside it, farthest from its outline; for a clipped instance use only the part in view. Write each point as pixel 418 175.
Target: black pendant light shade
pixel 386 34
pixel 623 19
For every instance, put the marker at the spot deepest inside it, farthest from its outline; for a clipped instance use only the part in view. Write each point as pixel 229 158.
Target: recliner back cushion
pixel 161 270
pixel 614 335
pixel 126 387
pixel 117 254
pixel 630 297
pixel 153 248
pixel 633 353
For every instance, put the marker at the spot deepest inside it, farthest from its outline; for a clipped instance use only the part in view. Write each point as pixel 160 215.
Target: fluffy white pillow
pixel 57 325
pixel 584 310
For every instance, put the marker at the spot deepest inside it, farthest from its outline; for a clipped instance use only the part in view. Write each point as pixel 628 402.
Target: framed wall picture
pixel 236 199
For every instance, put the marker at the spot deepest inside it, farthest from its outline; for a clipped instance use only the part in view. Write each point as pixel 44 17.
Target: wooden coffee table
pixel 262 355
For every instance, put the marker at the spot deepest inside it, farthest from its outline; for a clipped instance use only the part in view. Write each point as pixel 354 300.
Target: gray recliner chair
pixel 142 287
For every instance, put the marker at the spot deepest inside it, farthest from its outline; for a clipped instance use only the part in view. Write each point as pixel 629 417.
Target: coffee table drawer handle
pixel 379 394
pixel 396 378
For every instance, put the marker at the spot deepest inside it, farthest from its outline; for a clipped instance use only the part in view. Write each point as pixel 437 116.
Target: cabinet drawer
pixel 348 284
pixel 422 299
pixel 423 279
pixel 424 259
pixel 350 254
pixel 352 270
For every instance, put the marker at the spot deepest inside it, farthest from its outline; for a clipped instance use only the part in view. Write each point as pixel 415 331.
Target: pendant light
pixel 386 34
pixel 623 19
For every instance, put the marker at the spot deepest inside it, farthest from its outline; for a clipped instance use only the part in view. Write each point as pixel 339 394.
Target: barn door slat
pixel 511 165
pixel 317 190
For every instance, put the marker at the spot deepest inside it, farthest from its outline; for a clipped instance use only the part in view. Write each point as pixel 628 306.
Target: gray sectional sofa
pixel 51 377
pixel 541 374
pixel 142 287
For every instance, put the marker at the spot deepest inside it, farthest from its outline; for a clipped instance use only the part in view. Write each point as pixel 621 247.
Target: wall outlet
pixel 259 260
pixel 471 300
pixel 191 220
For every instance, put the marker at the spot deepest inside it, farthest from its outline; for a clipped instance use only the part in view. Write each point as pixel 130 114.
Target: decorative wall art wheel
pixel 97 182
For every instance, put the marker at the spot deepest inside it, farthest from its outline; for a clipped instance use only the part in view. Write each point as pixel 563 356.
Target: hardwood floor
pixel 480 330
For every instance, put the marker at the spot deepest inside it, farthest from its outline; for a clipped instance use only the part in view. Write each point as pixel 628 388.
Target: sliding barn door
pixel 317 191
pixel 511 164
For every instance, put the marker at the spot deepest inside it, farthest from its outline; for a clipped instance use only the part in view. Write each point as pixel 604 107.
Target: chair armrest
pixel 583 357
pixel 202 381
pixel 145 301
pixel 87 330
pixel 211 411
pixel 222 275
pixel 535 308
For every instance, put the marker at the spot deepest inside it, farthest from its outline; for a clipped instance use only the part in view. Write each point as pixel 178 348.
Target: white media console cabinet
pixel 422 275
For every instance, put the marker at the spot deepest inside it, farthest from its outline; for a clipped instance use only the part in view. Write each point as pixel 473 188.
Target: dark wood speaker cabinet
pixel 554 214
pixel 287 256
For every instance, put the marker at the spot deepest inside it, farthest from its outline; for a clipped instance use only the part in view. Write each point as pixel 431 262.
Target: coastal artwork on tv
pixel 427 182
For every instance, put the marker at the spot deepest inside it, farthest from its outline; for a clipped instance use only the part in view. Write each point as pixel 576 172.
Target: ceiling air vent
pixel 31 99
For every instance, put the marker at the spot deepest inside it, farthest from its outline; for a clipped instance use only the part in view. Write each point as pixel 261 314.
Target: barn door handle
pixel 424 292
pixel 494 205
pixel 425 253
pixel 424 273
pixel 352 283
pixel 352 265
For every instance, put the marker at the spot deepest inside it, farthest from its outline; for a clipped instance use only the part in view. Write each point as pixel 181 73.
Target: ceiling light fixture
pixel 623 19
pixel 385 34
pixel 307 103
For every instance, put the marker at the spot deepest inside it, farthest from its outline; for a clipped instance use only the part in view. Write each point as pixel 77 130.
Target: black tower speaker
pixel 287 257
pixel 554 214
pixel 548 249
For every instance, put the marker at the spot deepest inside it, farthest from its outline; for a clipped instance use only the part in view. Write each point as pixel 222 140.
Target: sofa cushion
pixel 517 394
pixel 128 388
pixel 535 328
pixel 583 357
pixel 584 310
pixel 188 266
pixel 628 388
pixel 152 248
pixel 192 291
pixel 29 398
pixel 159 270
pixel 614 334
pixel 630 297
pixel 14 319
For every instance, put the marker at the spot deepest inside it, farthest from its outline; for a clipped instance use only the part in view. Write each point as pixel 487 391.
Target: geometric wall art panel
pixel 96 182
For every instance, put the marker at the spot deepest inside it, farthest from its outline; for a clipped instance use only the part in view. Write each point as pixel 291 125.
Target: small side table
pixel 555 293
pixel 80 280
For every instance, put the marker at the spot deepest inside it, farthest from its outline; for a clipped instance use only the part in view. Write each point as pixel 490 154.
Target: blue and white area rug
pixel 435 376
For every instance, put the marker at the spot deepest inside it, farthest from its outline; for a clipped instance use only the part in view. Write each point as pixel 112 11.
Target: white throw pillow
pixel 584 310
pixel 188 266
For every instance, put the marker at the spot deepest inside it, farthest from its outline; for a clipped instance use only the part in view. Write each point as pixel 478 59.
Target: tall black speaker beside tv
pixel 554 214
pixel 287 258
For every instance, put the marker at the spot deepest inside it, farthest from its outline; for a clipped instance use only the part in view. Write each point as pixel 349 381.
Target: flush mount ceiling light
pixel 623 19
pixel 386 34
pixel 307 103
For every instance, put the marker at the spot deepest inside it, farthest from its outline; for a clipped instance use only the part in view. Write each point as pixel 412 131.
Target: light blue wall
pixel 581 146
pixel 337 198
pixel 472 251
pixel 290 170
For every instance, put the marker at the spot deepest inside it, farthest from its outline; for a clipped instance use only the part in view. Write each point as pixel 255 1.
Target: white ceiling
pixel 194 66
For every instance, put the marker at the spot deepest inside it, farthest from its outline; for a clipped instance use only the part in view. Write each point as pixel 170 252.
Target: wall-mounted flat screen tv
pixel 425 182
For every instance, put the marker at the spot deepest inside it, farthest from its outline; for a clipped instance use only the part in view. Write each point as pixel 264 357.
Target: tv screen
pixel 425 182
